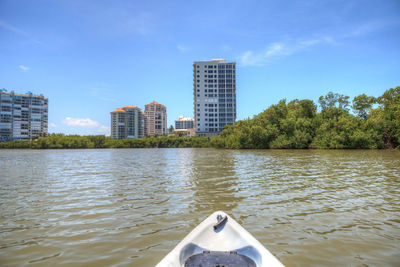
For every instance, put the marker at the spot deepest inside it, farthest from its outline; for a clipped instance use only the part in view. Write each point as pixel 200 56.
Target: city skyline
pixel 89 58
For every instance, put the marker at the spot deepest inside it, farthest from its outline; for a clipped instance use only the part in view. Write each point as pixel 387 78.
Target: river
pixel 132 206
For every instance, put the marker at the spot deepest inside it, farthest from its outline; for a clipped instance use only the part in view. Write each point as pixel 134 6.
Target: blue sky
pixel 91 57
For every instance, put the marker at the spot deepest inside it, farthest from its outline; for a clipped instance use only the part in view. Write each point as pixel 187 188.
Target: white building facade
pixel 22 116
pixel 214 94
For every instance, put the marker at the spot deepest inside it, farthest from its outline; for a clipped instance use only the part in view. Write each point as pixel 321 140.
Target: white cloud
pixel 86 123
pixel 277 50
pixel 104 129
pixel 24 68
pixel 81 122
pixel 53 125
pixel 102 92
pixel 18 31
pixel 183 48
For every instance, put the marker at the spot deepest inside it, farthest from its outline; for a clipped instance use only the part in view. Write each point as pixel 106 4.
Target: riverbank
pixel 374 123
pixel 60 141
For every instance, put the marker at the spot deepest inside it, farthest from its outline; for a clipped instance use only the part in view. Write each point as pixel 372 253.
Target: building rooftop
pixel 182 118
pixel 155 103
pixel 214 60
pixel 123 109
pixel 4 91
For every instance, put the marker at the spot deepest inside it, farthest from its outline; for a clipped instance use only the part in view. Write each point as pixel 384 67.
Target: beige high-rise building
pixel 155 119
pixel 127 122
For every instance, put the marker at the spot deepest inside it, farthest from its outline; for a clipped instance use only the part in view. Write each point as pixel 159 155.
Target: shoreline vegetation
pixel 374 123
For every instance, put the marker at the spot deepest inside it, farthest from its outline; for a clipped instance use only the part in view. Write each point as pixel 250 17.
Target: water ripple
pixel 131 206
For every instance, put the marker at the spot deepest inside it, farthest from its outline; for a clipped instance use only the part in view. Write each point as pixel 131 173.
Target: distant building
pixel 22 116
pixel 214 90
pixel 184 132
pixel 127 122
pixel 155 119
pixel 184 123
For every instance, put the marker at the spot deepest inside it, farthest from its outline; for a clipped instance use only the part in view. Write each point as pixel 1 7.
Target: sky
pixel 90 57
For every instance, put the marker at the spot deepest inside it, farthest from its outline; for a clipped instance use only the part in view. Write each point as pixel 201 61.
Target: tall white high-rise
pixel 214 91
pixel 22 116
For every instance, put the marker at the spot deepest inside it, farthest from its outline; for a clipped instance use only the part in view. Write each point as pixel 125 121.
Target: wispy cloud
pixel 103 93
pixel 18 31
pixel 183 48
pixel 370 27
pixel 281 49
pixel 120 19
pixel 277 50
pixel 24 68
pixel 53 125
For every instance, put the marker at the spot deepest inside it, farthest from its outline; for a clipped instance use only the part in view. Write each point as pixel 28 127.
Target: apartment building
pixel 155 119
pixel 127 122
pixel 214 94
pixel 184 123
pixel 22 116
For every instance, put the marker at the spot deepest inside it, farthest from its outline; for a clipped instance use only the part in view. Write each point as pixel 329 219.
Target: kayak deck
pixel 217 241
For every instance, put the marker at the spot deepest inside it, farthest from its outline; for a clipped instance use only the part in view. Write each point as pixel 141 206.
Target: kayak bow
pixel 219 241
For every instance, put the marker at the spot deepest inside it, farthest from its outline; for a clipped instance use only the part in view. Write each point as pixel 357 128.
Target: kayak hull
pixel 229 236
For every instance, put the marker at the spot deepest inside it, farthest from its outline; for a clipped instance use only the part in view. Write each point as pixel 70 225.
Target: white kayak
pixel 219 241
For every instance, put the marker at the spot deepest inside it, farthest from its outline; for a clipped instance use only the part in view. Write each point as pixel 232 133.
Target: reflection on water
pixel 131 206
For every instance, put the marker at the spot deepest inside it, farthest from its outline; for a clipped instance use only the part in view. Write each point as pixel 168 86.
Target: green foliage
pixel 60 141
pixel 362 104
pixel 296 124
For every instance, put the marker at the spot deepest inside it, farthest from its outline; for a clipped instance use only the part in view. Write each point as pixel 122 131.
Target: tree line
pixel 61 141
pixel 374 123
pixel 365 122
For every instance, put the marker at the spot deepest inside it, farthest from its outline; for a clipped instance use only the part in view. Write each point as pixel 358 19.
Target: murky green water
pixel 131 206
